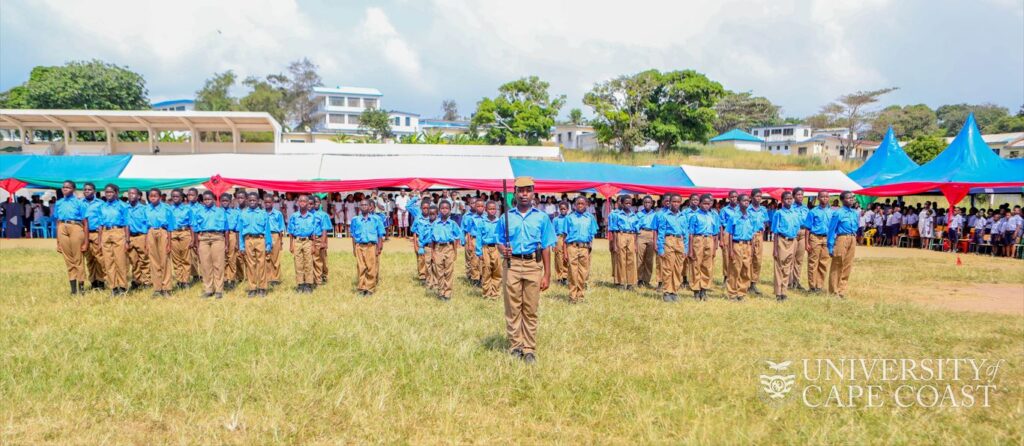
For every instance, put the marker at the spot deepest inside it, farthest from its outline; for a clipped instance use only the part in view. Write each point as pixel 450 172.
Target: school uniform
pixel 757 245
pixel 842 245
pixel 801 246
pixel 211 228
pixel 786 228
pixel 233 269
pixel 672 247
pixel 996 233
pixel 741 227
pixel 303 228
pixel 138 227
pixel 624 227
pixel 529 234
pixel 560 259
pixel 367 234
pixel 486 238
pixel 727 212
pixel 979 229
pixel 446 236
pixel 255 241
pixel 646 244
pixel 113 225
pixel 275 219
pixel 421 231
pixel 194 253
pixel 472 261
pixel 181 243
pixel 659 267
pixel 892 225
pixel 94 255
pixel 579 231
pixel 70 213
pixel 816 224
pixel 320 268
pixel 160 225
pixel 703 232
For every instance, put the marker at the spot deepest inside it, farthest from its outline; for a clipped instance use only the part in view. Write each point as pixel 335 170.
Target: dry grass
pixel 402 367
pixel 711 156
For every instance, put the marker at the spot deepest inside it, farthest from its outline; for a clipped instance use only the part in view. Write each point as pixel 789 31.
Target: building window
pixel 336 119
pixel 353 119
pixel 787 132
pixel 407 121
pixel 336 101
pixel 353 102
pixel 398 121
pixel 776 131
pixel 755 132
pixel 807 132
pixel 369 103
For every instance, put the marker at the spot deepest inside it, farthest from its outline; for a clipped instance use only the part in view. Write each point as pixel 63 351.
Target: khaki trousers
pixel 428 267
pixel 625 247
pixel 726 238
pixel 211 261
pixel 756 250
pixel 319 264
pixel 421 266
pixel 303 261
pixel 444 268
pixel 523 290
pixel 740 271
pixel 646 251
pixel 231 271
pixel 159 259
pixel 273 267
pixel 115 256
pixel 615 264
pixel 472 261
pixel 193 265
pixel 703 261
pixel 784 254
pixel 181 255
pixel 817 261
pixel 578 270
pixel 490 273
pixel 367 264
pixel 673 262
pixel 138 259
pixel 842 264
pixel 256 262
pixel 798 258
pixel 560 259
pixel 94 258
pixel 70 237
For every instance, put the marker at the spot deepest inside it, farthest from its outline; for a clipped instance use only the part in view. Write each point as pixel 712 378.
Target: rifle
pixel 508 259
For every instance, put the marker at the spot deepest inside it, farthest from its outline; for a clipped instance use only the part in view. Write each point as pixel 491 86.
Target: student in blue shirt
pixel 183 239
pixel 801 240
pixel 421 238
pixel 194 202
pixel 842 243
pixel 320 268
pixel 303 228
pixel 210 224
pixel 622 227
pixel 94 255
pixel 447 236
pixel 233 268
pixel 561 261
pixel 757 248
pixel 703 232
pixel 159 223
pixel 138 227
pixel 646 241
pixel 254 242
pixel 579 228
pixel 277 228
pixel 486 238
pixel 816 225
pixel 469 221
pixel 728 211
pixel 72 235
pixel 786 227
pixel 672 246
pixel 742 230
pixel 113 218
pixel 367 243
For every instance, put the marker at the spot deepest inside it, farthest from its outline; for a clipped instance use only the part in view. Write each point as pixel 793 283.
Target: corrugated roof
pixel 736 135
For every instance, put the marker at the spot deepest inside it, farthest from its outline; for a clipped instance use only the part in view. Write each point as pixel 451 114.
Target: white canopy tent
pixel 453 167
pixel 331 148
pixel 263 167
pixel 745 179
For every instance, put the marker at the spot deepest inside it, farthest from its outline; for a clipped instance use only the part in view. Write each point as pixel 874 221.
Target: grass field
pixel 726 157
pixel 402 367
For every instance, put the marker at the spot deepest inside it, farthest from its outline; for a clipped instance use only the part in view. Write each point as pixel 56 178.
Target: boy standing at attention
pixel 367 243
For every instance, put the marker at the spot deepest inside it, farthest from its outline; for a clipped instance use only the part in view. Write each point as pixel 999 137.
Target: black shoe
pixel 157 294
pixel 667 297
pixel 798 287
pixel 250 293
pixel 166 293
pixel 780 298
pixel 530 359
pixel 219 295
pixel 517 353
pixel 696 295
pixel 207 295
pixel 261 293
pixel 739 298
pixel 74 287
pixel 753 290
pixel 275 283
pixel 629 287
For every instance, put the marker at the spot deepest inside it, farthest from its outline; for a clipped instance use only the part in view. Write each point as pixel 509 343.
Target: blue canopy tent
pixel 606 179
pixel 888 162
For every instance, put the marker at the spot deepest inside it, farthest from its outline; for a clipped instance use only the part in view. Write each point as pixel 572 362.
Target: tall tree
pixel 952 117
pixel 266 95
pixel 744 110
pixel 854 111
pixel 91 84
pixel 521 114
pixel 910 121
pixel 681 107
pixel 377 124
pixel 576 116
pixel 216 93
pixel 924 148
pixel 300 106
pixel 620 110
pixel 450 109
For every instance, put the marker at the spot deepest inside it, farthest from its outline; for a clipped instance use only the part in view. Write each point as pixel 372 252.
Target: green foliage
pixel 952 117
pixel 266 95
pixel 92 85
pixel 521 114
pixel 299 103
pixel 216 93
pixel 744 111
pixel 620 110
pixel 909 121
pixel 1008 124
pixel 576 117
pixel 450 109
pixel 924 148
pixel 681 107
pixel 436 137
pixel 288 98
pixel 377 124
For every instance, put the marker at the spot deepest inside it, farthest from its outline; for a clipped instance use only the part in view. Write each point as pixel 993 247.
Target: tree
pixel 619 107
pixel 299 103
pixel 924 148
pixel 744 111
pixel 819 121
pixel 852 111
pixel 952 117
pixel 681 107
pixel 451 110
pixel 94 85
pixel 266 95
pixel 521 114
pixel 1008 124
pixel 910 121
pixel 376 123
pixel 576 117
pixel 216 95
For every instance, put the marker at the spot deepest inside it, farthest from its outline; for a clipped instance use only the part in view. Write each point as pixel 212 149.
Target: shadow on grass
pixel 495 342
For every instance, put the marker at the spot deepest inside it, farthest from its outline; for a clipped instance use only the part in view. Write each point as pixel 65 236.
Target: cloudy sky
pixel 799 53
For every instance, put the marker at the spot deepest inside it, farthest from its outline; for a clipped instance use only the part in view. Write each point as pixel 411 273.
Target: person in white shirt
pixel 925 227
pixel 338 212
pixel 402 213
pixel 892 226
pixel 979 228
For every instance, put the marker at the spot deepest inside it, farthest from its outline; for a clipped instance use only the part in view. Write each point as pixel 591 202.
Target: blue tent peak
pixel 736 135
pixel 888 161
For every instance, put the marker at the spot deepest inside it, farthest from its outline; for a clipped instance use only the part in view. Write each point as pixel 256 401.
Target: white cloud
pixel 386 42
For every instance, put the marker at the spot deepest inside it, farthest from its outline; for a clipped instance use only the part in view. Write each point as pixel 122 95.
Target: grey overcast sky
pixel 799 53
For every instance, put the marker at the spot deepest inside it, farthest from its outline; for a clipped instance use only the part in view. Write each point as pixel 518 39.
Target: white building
pixel 739 139
pixel 782 133
pixel 404 123
pixel 174 105
pixel 838 132
pixel 339 110
pixel 573 136
pixel 1006 145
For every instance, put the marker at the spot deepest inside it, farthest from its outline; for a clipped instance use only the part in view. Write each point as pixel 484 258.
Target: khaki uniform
pixel 784 264
pixel 756 251
pixel 367 264
pixel 138 259
pixel 211 261
pixel 673 263
pixel 523 290
pixel 159 259
pixel 319 263
pixel 231 272
pixel 578 255
pixel 94 258
pixel 181 255
pixel 303 261
pixel 70 237
pixel 740 269
pixel 626 256
pixel 256 262
pixel 727 239
pixel 615 265
pixel 444 268
pixel 561 259
pixel 115 257
pixel 273 267
pixel 842 264
pixel 428 267
pixel 703 247
pixel 817 261
pixel 472 261
pixel 798 258
pixel 490 273
pixel 646 251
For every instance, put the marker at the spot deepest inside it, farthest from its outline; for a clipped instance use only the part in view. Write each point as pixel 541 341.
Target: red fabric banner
pixel 954 192
pixel 217 184
pixel 11 185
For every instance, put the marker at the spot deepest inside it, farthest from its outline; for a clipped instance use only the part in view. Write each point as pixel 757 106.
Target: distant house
pixel 174 105
pixel 573 136
pixel 740 139
pixel 1006 145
